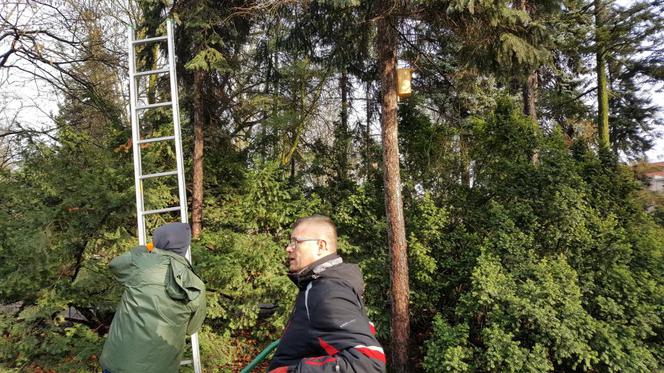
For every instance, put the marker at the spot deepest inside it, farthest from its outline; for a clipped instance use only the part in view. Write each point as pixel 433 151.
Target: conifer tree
pixel 386 46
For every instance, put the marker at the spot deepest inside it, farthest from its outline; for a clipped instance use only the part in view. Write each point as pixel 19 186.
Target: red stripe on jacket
pixel 318 360
pixel 329 349
pixel 371 353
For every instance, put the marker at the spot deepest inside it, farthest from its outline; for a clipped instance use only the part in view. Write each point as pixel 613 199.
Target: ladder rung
pixel 155 139
pixel 159 174
pixel 150 40
pixel 152 106
pixel 150 72
pixel 159 211
pixel 185 362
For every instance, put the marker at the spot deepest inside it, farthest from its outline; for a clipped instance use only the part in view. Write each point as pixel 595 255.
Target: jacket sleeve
pixel 344 334
pixel 122 267
pixel 199 309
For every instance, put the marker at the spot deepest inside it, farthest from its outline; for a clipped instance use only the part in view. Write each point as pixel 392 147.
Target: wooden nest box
pixel 404 76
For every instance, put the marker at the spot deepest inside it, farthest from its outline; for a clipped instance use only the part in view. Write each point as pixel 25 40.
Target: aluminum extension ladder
pixel 137 141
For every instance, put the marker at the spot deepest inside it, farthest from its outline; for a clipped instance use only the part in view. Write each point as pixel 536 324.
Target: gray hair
pixel 323 220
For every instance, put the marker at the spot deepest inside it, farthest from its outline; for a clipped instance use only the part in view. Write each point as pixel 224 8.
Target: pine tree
pixel 386 45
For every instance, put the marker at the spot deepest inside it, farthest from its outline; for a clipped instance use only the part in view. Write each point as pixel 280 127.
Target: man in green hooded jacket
pixel 163 302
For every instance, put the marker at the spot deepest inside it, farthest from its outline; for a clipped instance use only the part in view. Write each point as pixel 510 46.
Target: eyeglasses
pixel 296 241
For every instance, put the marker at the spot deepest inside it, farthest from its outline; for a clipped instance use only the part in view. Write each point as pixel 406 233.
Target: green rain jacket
pixel 163 302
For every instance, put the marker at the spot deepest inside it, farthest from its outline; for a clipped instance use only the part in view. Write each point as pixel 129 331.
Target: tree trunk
pixel 343 86
pixel 530 106
pixel 465 160
pixel 396 233
pixel 530 96
pixel 342 136
pixel 197 178
pixel 367 133
pixel 529 90
pixel 602 89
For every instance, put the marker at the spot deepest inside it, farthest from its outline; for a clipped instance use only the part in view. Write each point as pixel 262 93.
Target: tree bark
pixel 530 96
pixel 367 133
pixel 602 89
pixel 343 86
pixel 400 320
pixel 530 107
pixel 342 139
pixel 197 177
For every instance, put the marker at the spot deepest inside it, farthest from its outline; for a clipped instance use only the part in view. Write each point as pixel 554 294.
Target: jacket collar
pixel 314 270
pixel 173 255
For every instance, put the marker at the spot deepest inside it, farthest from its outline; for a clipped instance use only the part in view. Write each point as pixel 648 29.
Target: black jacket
pixel 329 330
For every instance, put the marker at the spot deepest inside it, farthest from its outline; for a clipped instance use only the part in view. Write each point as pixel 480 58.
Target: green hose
pixel 260 357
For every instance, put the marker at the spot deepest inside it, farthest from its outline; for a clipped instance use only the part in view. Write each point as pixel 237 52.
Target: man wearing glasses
pixel 329 330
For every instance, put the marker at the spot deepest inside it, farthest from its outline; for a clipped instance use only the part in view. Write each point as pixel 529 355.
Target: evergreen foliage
pixel 514 265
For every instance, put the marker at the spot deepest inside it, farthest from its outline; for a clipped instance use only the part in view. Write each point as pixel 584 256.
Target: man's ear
pixel 322 245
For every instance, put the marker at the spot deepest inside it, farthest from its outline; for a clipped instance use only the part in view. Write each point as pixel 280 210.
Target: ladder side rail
pixel 196 353
pixel 180 166
pixel 136 136
pixel 182 191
